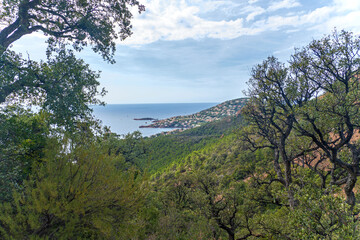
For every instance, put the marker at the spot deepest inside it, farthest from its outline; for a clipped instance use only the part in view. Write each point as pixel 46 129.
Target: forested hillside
pixel 285 167
pixel 164 150
pixel 290 171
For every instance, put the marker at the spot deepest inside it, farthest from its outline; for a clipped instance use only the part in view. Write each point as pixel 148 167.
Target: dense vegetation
pixel 285 168
pixel 164 150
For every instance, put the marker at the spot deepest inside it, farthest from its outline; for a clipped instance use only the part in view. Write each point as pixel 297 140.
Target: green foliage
pixel 82 194
pixel 163 151
pixel 281 183
pixel 323 215
pixel 22 140
pixel 63 86
pixel 133 147
pixel 74 188
pixel 80 22
pixel 69 86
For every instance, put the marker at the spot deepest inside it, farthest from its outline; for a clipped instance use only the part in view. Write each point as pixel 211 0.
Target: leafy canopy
pixel 78 21
pixel 82 194
pixel 63 85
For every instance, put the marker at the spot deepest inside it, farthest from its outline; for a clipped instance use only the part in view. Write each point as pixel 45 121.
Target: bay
pixel 120 117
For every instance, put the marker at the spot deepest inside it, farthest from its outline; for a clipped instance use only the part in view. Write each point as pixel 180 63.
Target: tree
pixel 78 21
pixel 82 194
pixel 331 119
pixel 65 84
pixel 317 100
pixel 228 208
pixel 323 216
pixel 22 140
pixel 270 111
pixel 132 147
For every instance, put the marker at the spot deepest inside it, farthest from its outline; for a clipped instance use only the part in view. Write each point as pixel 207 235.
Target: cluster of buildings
pixel 218 112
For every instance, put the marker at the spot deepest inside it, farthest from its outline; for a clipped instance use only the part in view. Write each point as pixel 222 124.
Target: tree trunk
pixel 288 175
pixel 231 235
pixel 288 180
pixel 277 167
pixel 349 186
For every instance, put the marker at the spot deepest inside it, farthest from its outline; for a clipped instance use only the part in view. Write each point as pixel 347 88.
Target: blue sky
pixel 203 50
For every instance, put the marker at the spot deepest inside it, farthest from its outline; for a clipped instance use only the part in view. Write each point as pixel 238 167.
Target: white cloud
pixel 317 16
pixel 255 11
pixel 170 20
pixel 349 21
pixel 347 15
pixel 178 21
pixel 344 5
pixel 275 22
pixel 209 6
pixel 283 4
pixel 252 1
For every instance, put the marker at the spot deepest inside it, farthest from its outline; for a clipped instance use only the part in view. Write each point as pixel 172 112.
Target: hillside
pixel 168 149
pixel 218 112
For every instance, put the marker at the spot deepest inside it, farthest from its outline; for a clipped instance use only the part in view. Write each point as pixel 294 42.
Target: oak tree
pixel 81 22
pixel 331 118
pixel 274 93
pixel 63 85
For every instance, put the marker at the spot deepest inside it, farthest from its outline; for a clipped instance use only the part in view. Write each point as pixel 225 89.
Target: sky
pixel 184 51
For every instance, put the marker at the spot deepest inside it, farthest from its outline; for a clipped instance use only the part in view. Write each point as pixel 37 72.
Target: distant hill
pixel 166 149
pixel 218 112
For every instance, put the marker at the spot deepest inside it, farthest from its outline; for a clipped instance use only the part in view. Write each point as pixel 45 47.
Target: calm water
pixel 120 117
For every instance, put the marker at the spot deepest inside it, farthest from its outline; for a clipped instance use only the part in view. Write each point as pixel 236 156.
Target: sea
pixel 120 117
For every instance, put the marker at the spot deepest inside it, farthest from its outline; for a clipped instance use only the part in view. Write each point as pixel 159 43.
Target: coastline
pixel 226 109
pixel 120 117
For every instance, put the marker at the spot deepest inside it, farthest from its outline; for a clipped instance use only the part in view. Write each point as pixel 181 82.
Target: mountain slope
pixel 165 150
